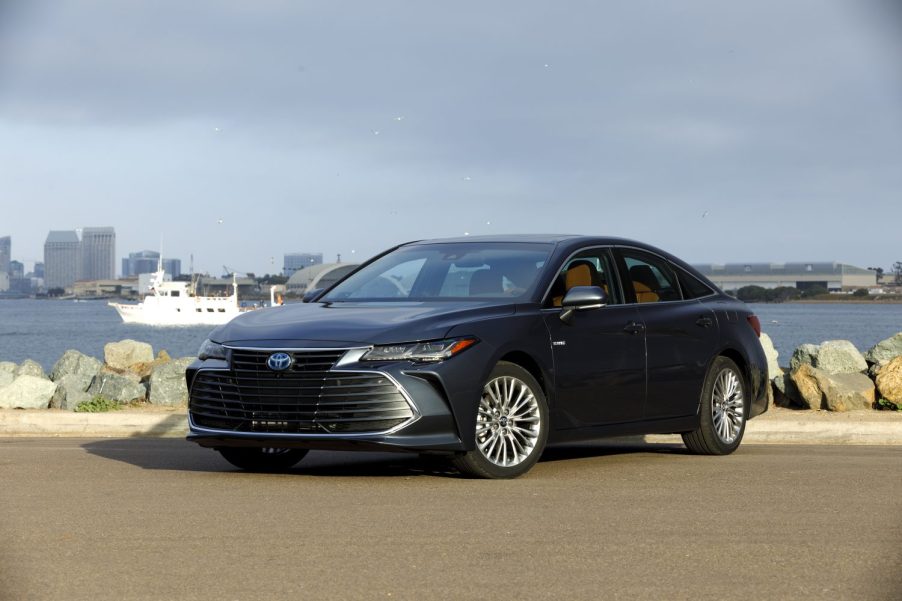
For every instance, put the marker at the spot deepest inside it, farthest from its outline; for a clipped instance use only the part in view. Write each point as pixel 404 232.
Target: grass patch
pixel 98 404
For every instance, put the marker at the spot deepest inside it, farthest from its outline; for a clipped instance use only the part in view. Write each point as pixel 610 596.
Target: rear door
pixel 681 335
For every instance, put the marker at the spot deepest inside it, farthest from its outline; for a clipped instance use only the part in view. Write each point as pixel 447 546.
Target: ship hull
pixel 211 312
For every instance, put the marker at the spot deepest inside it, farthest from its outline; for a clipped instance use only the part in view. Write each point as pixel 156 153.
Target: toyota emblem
pixel 279 361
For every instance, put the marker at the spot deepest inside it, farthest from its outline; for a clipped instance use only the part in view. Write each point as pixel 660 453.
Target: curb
pixel 784 428
pixel 811 432
pixel 118 424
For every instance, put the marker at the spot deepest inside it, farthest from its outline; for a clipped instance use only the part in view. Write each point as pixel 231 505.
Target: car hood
pixel 341 324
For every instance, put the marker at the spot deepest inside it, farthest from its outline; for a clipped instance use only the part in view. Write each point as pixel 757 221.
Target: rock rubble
pixel 836 376
pixel 129 374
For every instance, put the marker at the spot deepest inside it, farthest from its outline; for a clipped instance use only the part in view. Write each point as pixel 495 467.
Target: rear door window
pixel 648 277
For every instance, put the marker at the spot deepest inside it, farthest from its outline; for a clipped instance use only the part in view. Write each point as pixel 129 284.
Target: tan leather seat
pixel 645 284
pixel 580 273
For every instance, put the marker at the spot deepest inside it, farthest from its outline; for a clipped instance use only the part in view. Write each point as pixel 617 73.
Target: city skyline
pixel 287 260
pixel 718 131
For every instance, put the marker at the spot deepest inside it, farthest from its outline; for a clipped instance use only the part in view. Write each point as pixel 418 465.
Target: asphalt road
pixel 163 519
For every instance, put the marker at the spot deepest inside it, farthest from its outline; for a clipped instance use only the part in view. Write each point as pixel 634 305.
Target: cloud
pixel 605 109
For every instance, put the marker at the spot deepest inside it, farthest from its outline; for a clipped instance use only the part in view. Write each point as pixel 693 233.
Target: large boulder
pixel 143 370
pixel 773 367
pixel 839 357
pixel 116 387
pixel 848 392
pixel 805 380
pixel 167 383
pixel 7 373
pixel 885 350
pixel 889 381
pixel 819 389
pixel 27 392
pixel 30 368
pixel 74 362
pixel 785 392
pixel 126 353
pixel 71 390
pixel 803 355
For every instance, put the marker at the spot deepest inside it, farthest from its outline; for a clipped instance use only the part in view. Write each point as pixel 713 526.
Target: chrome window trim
pixel 316 436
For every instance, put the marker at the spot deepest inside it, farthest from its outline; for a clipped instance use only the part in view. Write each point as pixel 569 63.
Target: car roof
pixel 534 238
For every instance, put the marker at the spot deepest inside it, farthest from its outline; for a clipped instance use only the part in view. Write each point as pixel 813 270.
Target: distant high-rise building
pixel 143 261
pixel 61 259
pixel 297 261
pixel 5 253
pixel 38 270
pixel 16 269
pixel 173 267
pixel 98 253
pixel 147 261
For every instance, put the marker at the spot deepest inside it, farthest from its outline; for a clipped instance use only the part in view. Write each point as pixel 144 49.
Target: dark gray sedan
pixel 485 350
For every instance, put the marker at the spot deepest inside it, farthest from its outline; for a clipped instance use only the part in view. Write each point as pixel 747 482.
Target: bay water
pixel 44 329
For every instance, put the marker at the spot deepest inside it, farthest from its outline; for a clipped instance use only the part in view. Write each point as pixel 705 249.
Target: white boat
pixel 177 304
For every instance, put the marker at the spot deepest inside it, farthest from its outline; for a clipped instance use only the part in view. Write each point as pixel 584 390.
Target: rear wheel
pixel 723 411
pixel 262 459
pixel 511 425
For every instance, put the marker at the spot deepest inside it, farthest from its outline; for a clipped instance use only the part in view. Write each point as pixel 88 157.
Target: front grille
pixel 306 398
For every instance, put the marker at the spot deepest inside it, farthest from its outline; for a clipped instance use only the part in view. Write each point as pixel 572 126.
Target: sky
pixel 238 131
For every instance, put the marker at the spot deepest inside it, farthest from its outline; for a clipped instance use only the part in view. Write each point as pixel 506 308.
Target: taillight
pixel 755 323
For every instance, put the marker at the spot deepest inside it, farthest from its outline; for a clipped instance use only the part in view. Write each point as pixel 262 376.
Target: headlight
pixel 436 350
pixel 211 350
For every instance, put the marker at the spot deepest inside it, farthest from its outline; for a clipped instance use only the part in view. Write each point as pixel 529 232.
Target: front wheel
pixel 511 425
pixel 265 459
pixel 723 411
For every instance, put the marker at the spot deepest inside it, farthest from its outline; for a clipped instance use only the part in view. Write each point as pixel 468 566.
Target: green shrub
pixel 814 291
pixel 888 405
pixel 98 404
pixel 751 294
pixel 861 292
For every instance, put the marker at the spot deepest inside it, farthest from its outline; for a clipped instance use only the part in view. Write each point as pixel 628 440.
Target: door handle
pixel 634 327
pixel 704 322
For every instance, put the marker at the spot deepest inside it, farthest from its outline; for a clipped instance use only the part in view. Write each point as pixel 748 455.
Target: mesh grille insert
pixel 305 398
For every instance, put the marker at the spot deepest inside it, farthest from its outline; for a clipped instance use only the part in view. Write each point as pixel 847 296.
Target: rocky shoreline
pixel 836 376
pixel 130 374
pixel 831 376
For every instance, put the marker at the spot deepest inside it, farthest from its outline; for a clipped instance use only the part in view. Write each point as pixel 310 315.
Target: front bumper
pixel 328 399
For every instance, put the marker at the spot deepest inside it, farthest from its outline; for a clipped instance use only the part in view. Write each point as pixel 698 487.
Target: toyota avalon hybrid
pixel 485 350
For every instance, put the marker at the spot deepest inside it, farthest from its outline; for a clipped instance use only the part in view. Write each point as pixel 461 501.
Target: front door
pixel 599 356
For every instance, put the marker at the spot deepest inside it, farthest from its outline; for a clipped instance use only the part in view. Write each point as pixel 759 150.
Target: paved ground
pixel 163 519
pixel 777 426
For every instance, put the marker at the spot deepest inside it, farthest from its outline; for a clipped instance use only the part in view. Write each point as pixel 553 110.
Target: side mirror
pixel 582 298
pixel 311 295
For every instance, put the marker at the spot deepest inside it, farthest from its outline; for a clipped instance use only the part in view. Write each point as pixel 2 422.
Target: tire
pixel 511 425
pixel 723 412
pixel 265 459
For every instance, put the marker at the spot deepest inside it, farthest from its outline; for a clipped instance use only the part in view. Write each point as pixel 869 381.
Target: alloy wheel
pixel 508 422
pixel 727 406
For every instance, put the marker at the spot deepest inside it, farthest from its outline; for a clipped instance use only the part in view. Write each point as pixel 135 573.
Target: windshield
pixel 463 271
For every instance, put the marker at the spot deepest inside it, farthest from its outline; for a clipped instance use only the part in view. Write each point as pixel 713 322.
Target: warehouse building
pixel 832 276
